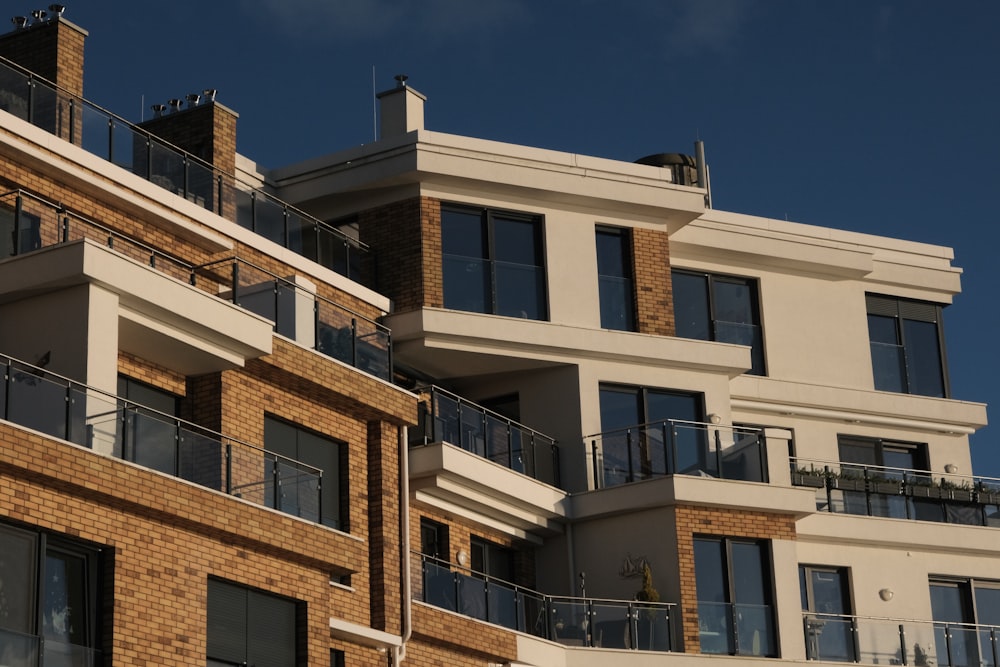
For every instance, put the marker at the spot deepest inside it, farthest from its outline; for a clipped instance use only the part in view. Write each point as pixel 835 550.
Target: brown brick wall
pixel 405 237
pixel 444 639
pixel 653 291
pixel 693 521
pixel 167 538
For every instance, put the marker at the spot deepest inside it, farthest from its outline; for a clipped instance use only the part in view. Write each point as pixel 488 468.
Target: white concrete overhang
pixel 450 343
pixel 160 318
pixel 361 634
pixel 453 161
pixel 485 490
pixel 691 490
pixel 879 532
pixel 761 395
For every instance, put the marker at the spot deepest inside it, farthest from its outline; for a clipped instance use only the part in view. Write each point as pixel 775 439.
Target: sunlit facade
pixel 437 400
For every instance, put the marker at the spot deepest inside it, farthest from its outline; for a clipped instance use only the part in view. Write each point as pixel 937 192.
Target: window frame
pixel 340 496
pixel 758 355
pixel 42 546
pixel 730 583
pixel 441 539
pixel 488 224
pixel 901 310
pixel 220 655
pixel 629 319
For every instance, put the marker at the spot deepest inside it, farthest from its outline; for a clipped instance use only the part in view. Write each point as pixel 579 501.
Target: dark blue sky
pixel 879 117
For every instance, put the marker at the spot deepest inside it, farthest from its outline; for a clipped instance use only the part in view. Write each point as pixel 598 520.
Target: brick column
pixel 653 291
pixel 383 526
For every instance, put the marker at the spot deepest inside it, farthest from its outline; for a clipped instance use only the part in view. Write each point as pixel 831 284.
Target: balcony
pixel 676 447
pixel 873 641
pixel 29 223
pixel 899 493
pixel 571 621
pixel 300 314
pixel 111 138
pixel 448 418
pixel 23 650
pixel 60 408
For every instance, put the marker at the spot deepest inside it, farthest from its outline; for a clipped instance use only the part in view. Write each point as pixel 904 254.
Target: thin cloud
pixel 364 19
pixel 700 26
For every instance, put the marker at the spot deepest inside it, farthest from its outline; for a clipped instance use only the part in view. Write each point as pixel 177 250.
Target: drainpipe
pixel 399 652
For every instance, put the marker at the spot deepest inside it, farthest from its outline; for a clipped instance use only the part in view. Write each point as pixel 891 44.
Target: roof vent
pixel 174 104
pixel 56 12
pixel 683 168
pixel 19 21
pixel 39 15
pixel 158 110
pixel 193 100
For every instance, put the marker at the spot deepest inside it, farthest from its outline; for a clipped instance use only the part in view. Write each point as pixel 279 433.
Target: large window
pixel 826 602
pixel 614 277
pixel 248 627
pixel 297 487
pixel 50 594
pixel 735 607
pixel 907 345
pixel 955 602
pixel 888 460
pixel 720 308
pixel 493 262
pixel 637 440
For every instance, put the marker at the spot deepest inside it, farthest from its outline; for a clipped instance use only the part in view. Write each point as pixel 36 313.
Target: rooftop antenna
pixel 374 108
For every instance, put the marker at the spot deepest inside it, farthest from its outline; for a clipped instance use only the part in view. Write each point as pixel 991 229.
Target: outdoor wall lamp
pixel 714 418
pixel 951 468
pixel 886 594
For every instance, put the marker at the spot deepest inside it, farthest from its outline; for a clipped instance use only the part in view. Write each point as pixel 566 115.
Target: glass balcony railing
pixel 887 641
pixel 28 223
pixel 40 400
pixel 25 650
pixel 737 629
pixel 675 447
pixel 445 417
pixel 572 621
pixel 899 493
pixel 128 146
pixel 337 332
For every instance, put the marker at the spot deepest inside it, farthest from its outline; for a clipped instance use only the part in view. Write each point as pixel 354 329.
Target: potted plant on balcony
pixel 987 495
pixel 961 491
pixel 646 636
pixel 811 476
pixel 848 480
pixel 886 486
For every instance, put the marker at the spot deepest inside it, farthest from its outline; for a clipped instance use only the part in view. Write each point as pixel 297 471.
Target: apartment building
pixel 438 400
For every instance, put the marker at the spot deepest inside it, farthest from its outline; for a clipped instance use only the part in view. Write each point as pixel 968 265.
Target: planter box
pixel 887 487
pixel 962 495
pixel 848 483
pixel 988 497
pixel 808 479
pixel 925 491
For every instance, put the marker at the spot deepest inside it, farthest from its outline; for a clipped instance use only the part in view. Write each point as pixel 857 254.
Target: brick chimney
pixel 402 109
pixel 205 129
pixel 52 48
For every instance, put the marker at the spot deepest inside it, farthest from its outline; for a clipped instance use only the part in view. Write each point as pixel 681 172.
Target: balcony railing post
pixel 319 498
pixel 64 232
pixel 31 99
pixel 628 450
pixel 593 456
pixel 276 483
pixel 993 644
pixel 902 646
pixel 718 453
pixel 18 209
pixel 669 455
pixel 72 121
pixel 868 489
pixel 229 468
pixel 236 282
pixel 284 224
pixel 186 174
pixel 218 196
pixel 947 644
pixel 734 635
pixel 855 639
pixel 316 331
pixel 68 414
pixel 149 157
pixel 828 483
pixel 354 342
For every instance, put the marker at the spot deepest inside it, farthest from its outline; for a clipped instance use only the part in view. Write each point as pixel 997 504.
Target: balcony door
pixel 827 607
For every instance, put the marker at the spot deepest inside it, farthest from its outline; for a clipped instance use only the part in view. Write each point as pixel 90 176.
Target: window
pixel 719 308
pixel 49 592
pixel 637 442
pixel 883 460
pixel 907 345
pixel 433 539
pixel 493 262
pixel 827 603
pixel 735 608
pixel 248 627
pixel 296 489
pixel 492 559
pixel 150 438
pixel 337 658
pixel 964 601
pixel 614 277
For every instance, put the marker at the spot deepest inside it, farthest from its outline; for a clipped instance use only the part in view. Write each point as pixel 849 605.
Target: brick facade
pixel 653 291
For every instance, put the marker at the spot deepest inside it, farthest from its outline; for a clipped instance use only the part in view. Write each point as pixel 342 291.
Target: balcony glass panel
pixel 471 596
pixel 14 92
pixel 166 167
pixel 202 458
pixel 151 441
pixel 755 629
pixel 129 149
pixel 96 137
pixel 533 613
pixel 244 206
pixel 36 402
pixel 743 334
pixel 569 622
pixel 46 112
pixel 440 586
pixel 715 627
pixel 293 488
pixel 17 649
pixel 520 290
pixel 269 219
pixel 372 349
pixel 200 184
pixel 501 604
